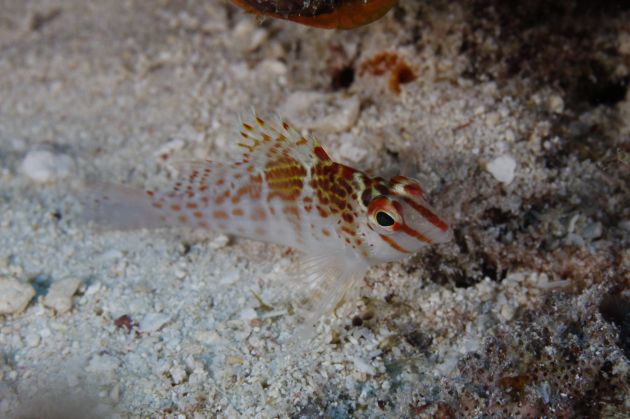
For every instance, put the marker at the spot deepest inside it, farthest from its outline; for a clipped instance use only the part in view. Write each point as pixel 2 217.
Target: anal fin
pixel 331 279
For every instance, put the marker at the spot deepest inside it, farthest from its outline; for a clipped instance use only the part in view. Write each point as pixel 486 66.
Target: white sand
pixel 103 88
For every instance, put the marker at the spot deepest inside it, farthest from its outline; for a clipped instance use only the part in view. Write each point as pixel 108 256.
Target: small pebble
pixel 362 366
pixel 178 374
pixel 45 166
pixel 114 394
pixel 167 149
pixel 33 340
pixel 556 104
pixel 152 322
pixel 14 296
pixel 230 277
pixel 248 36
pixel 219 242
pixel 248 314
pixel 93 289
pixel 60 294
pixel 507 312
pixel 593 231
pixel 502 168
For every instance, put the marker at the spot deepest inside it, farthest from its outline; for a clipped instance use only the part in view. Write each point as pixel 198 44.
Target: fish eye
pixel 384 219
pixel 385 215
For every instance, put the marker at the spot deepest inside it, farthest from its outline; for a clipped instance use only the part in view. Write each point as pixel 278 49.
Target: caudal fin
pixel 118 207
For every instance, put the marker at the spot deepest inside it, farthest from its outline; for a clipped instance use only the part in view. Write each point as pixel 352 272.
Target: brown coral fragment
pixel 389 62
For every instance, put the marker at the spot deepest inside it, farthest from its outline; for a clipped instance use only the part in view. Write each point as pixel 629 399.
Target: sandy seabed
pixel 516 119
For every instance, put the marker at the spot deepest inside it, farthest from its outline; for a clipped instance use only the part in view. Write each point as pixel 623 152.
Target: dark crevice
pixel 615 309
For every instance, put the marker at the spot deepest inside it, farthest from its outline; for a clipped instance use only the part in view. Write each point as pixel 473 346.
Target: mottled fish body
pixel 284 189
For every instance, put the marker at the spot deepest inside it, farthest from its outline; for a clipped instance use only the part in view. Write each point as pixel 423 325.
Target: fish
pixel 323 14
pixel 283 188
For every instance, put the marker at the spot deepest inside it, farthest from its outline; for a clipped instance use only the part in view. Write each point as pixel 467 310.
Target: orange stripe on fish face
pixel 393 244
pixel 415 234
pixel 427 214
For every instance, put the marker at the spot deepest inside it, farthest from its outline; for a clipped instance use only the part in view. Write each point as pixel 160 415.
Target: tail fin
pixel 118 207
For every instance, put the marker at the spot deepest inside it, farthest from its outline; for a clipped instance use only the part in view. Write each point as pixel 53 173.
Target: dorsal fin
pixel 268 139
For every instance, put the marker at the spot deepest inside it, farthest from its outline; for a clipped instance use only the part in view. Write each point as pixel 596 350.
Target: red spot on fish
pixel 291 211
pixel 242 191
pixel 258 214
pixel 347 172
pixel 348 230
pixel 221 215
pixel 322 212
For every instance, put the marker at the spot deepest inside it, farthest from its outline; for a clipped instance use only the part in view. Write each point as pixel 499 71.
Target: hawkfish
pixel 285 189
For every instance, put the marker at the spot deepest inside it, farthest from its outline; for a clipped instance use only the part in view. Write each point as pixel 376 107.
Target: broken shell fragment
pixel 327 14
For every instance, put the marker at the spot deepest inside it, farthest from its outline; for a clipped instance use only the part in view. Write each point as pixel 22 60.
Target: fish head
pixel 400 221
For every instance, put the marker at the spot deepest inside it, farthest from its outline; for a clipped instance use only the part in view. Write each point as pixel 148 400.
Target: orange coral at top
pixel 337 14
